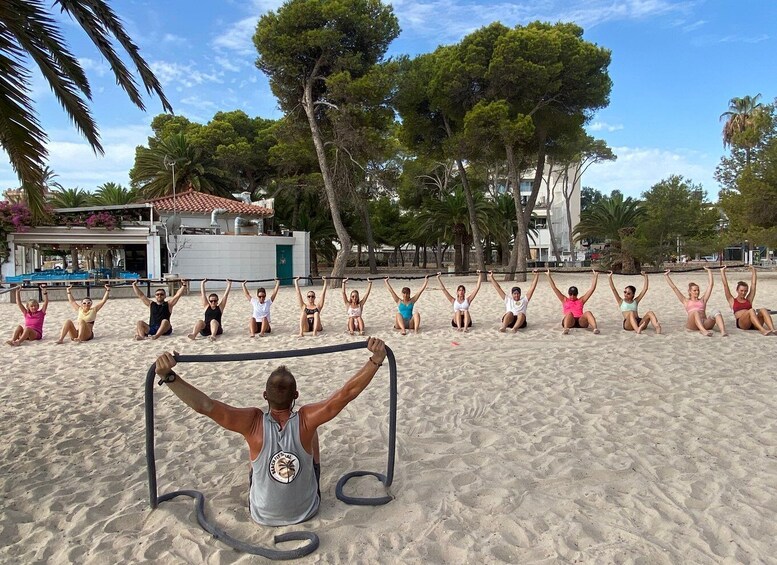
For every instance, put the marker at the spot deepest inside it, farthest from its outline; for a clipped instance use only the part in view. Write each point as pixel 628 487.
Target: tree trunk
pixel 365 214
pixel 473 220
pixel 519 255
pixel 438 254
pixel 341 260
pixel 458 259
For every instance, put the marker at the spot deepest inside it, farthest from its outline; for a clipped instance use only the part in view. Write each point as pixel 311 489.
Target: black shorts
pixel 575 325
pixel 639 321
pixel 206 331
pixel 515 320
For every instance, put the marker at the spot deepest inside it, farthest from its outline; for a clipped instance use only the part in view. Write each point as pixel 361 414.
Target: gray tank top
pixel 284 489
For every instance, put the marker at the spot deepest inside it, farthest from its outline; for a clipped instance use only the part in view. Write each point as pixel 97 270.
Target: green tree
pixel 588 197
pixel 676 210
pixel 314 51
pixel 112 194
pixel 152 175
pixel 740 118
pixel 615 220
pixel 70 198
pixel 29 32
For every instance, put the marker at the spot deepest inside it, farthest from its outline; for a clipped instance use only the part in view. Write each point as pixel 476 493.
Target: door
pixel 283 264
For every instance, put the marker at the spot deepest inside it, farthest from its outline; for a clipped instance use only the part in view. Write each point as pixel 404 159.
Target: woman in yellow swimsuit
pixel 83 328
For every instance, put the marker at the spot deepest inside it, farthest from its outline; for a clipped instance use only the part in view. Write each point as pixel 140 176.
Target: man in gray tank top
pixel 282 444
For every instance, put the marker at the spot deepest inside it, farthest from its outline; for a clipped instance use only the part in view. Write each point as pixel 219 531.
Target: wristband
pixel 377 365
pixel 168 378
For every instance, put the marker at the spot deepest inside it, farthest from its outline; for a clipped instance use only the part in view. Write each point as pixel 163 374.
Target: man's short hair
pixel 280 388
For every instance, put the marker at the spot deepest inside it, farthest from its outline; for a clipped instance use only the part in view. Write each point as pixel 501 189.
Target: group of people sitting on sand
pixel 407 318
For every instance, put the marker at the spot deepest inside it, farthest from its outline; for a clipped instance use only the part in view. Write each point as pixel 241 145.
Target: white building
pixel 192 235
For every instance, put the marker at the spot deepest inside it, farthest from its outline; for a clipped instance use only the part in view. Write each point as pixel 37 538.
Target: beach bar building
pixel 189 235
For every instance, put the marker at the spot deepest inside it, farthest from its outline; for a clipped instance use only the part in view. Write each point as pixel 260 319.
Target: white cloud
pixel 744 39
pixel 180 75
pixel 238 37
pixel 91 66
pixel 456 18
pixel 604 126
pixel 639 168
pixel 694 26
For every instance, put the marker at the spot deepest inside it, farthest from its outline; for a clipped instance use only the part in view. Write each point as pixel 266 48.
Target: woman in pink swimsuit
pixel 697 307
pixel 574 316
pixel 34 314
pixel 746 316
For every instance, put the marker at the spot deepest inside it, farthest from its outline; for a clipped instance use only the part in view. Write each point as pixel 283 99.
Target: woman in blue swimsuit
pixel 405 318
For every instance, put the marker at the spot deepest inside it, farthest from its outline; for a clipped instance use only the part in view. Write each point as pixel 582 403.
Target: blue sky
pixel 675 65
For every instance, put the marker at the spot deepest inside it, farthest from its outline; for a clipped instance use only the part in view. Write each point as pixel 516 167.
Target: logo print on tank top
pixel 284 467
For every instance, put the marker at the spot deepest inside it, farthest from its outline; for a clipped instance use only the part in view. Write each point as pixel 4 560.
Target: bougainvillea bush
pixel 14 217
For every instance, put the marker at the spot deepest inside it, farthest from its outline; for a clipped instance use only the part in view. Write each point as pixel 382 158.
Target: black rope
pixel 311 537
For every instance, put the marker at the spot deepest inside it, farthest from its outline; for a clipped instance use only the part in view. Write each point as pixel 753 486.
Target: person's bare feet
pixel 192 337
pixel 707 333
pixel 724 334
pixel 140 337
pixel 658 328
pixel 565 332
pixel 155 336
pixel 10 342
pixel 350 332
pixel 466 330
pixel 59 341
pixel 361 332
pixel 260 335
pixel 765 331
pixel 596 331
pixel 403 332
pixel 212 337
pixel 502 329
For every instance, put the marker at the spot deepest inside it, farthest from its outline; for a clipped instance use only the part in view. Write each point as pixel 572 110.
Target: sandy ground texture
pixel 517 448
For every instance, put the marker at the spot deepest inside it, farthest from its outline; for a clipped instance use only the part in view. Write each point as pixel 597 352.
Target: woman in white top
pixel 355 308
pixel 515 304
pixel 461 320
pixel 260 318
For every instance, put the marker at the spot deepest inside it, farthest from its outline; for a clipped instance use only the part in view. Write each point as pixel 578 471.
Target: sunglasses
pixel 311 295
pixel 160 293
pixel 86 303
pixel 213 301
pixel 261 295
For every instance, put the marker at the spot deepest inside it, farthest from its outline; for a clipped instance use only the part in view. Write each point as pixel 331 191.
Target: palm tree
pixel 112 194
pixel 70 198
pixel 28 29
pixel 739 117
pixel 154 168
pixel 614 219
pixel 450 217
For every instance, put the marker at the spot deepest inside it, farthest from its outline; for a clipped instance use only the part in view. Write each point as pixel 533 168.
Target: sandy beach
pixel 511 448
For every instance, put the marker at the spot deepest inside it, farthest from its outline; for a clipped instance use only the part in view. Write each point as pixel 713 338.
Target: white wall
pixel 239 257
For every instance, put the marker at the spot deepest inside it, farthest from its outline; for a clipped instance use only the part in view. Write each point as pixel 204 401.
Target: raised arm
pixel 753 280
pixel 97 307
pixel 554 287
pixel 674 287
pixel 496 286
pixel 472 296
pixel 726 289
pixel 323 294
pixel 618 299
pixel 177 296
pixel 203 298
pixel 299 294
pixel 645 286
pixel 139 294
pixel 345 298
pixel 18 293
pixel 70 299
pixel 275 290
pixel 421 291
pixel 239 420
pixel 313 415
pixel 226 294
pixel 533 286
pixel 363 301
pixel 710 284
pixel 45 292
pixel 443 289
pixel 245 291
pixel 591 290
pixel 391 290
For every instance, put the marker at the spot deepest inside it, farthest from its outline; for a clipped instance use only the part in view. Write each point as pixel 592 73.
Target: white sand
pixel 528 448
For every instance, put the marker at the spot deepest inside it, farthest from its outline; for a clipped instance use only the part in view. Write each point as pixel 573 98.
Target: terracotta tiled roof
pixel 195 202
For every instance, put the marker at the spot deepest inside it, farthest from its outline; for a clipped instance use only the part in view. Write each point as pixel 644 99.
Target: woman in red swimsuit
pixel 746 316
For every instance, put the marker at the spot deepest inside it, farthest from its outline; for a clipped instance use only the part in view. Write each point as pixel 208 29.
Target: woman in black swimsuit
pixel 310 315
